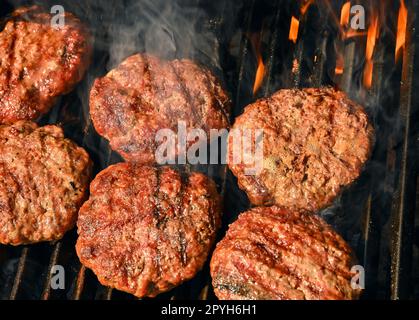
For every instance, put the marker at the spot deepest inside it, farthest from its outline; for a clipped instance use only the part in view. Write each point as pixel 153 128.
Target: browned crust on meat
pixel 315 142
pixel 145 230
pixel 276 254
pixel 43 182
pixel 144 94
pixel 38 63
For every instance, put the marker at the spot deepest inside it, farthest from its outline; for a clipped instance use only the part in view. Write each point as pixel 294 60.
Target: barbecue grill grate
pixel 377 215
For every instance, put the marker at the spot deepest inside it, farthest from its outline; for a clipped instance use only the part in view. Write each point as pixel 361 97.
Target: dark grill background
pixel 378 215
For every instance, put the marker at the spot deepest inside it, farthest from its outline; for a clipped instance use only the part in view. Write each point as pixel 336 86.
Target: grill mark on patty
pixel 152 88
pixel 261 282
pixel 149 73
pixel 182 243
pixel 312 226
pixel 258 282
pixel 261 232
pixel 37 187
pixel 196 114
pixel 302 279
pixel 271 242
pixel 231 285
pixel 147 76
pixel 182 248
pixel 156 215
pixel 169 88
pixel 219 105
pixel 64 55
pixel 213 218
pixel 157 209
pixel 44 174
pixel 12 194
pixel 188 220
pixel 11 58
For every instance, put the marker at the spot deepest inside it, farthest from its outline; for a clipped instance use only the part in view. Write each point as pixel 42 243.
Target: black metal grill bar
pixel 244 48
pixel 109 293
pixel 19 273
pixel 79 283
pixel 346 81
pixel 298 53
pixel 320 60
pixel 372 212
pixel 403 213
pixel 204 293
pixel 53 261
pixel 272 52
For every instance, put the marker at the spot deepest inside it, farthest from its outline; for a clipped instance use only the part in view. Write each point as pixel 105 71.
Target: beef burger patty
pixel 144 94
pixel 145 230
pixel 273 253
pixel 39 62
pixel 315 142
pixel 43 182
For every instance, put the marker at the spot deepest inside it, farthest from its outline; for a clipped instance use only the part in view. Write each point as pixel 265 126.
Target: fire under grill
pixel 258 47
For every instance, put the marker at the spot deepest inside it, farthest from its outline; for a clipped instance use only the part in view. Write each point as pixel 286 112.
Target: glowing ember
pixel 295 24
pixel 339 65
pixel 344 15
pixel 295 66
pixel 401 29
pixel 338 70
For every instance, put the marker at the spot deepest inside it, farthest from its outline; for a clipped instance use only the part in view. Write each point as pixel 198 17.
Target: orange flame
pixel 344 14
pixel 401 29
pixel 255 40
pixel 372 37
pixel 338 70
pixel 368 70
pixel 295 24
pixel 260 74
pixel 344 21
pixel 305 6
pixel 352 34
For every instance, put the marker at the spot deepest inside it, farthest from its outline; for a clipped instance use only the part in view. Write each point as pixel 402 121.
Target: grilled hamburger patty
pixel 315 142
pixel 38 63
pixel 145 230
pixel 273 253
pixel 144 94
pixel 43 181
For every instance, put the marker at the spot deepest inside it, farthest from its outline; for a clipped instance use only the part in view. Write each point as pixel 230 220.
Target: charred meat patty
pixel 145 94
pixel 146 229
pixel 315 142
pixel 270 253
pixel 43 182
pixel 39 62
